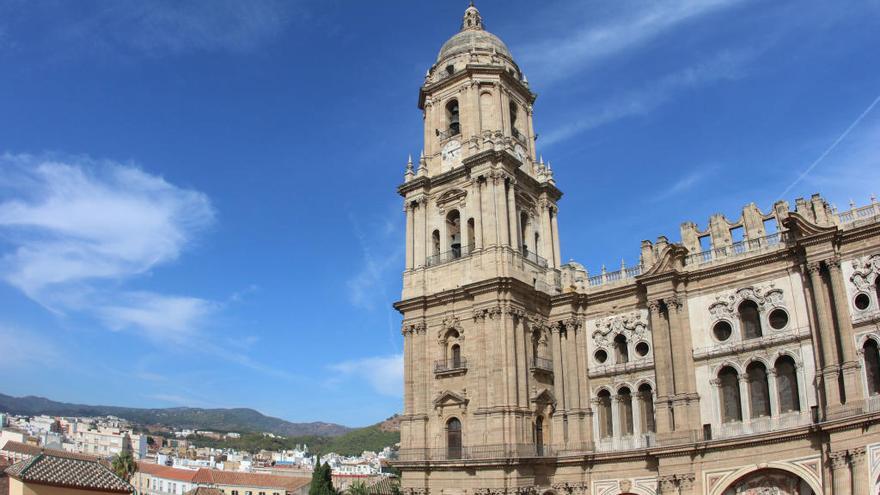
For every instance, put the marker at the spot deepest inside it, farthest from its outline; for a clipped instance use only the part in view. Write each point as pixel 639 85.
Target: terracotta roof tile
pixel 28 449
pixel 204 490
pixel 289 483
pixel 69 472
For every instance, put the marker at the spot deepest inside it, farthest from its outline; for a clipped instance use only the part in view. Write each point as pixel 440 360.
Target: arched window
pixel 872 366
pixel 877 288
pixel 539 435
pixel 471 239
pixel 759 391
pixel 435 242
pixel 452 118
pixel 731 409
pixel 787 385
pixel 453 233
pixel 514 111
pixel 536 344
pixel 621 352
pixel 455 356
pixel 646 398
pixel 537 244
pixel 453 439
pixel 606 424
pixel 625 411
pixel 750 320
pixel 524 231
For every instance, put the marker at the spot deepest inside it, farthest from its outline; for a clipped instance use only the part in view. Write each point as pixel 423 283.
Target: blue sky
pixel 197 200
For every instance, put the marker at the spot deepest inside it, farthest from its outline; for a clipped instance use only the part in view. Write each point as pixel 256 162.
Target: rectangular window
pixel 705 243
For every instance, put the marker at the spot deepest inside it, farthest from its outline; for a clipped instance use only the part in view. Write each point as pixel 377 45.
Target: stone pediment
pixel 544 396
pixel 670 259
pixel 450 197
pixel 448 398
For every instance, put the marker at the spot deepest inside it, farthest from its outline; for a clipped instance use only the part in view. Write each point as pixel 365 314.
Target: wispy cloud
pixel 565 56
pixel 157 28
pixel 686 182
pixel 381 251
pixel 384 373
pixel 852 172
pixel 727 65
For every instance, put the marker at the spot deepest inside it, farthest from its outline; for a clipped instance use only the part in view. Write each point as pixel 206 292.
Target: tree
pixel 124 465
pixel 322 480
pixel 358 488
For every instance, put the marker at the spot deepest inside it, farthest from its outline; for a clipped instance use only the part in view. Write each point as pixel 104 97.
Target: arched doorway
pixel 776 481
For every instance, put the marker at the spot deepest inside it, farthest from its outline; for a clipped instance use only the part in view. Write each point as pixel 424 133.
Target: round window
pixel 600 356
pixel 861 301
pixel 778 319
pixel 642 348
pixel 722 330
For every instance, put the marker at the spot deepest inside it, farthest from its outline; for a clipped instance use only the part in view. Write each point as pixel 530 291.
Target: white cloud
pixel 724 66
pixel 384 374
pixel 77 228
pixel 565 56
pixel 381 252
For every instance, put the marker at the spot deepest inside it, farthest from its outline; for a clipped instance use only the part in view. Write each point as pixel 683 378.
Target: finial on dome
pixel 472 19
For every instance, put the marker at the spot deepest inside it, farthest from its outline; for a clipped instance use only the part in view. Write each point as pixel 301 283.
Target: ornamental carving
pixel 765 297
pixel 633 326
pixel 865 271
pixel 450 323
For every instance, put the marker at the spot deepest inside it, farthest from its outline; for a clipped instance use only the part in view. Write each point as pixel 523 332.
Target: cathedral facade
pixel 742 359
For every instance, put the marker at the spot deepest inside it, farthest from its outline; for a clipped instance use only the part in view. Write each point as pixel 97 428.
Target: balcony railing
pixel 475 452
pixel 615 276
pixel 860 216
pixel 542 364
pixel 533 257
pixel 449 365
pixel 631 442
pixel 451 255
pixel 763 424
pixel 746 246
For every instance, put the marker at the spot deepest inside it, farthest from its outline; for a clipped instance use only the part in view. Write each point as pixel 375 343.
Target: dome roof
pixel 472 36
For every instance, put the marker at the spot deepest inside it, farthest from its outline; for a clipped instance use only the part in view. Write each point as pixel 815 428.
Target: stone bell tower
pixel 482 259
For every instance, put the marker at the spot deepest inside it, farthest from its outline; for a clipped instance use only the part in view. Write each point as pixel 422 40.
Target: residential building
pixel 108 441
pixel 154 479
pixel 742 359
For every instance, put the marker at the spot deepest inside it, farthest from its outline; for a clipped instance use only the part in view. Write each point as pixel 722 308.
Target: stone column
pixel 679 358
pixel 509 325
pixel 558 381
pixel 531 139
pixel 774 395
pixel 662 362
pixel 840 475
pixel 555 226
pixel 407 370
pixel 501 209
pixel 850 365
pixel 686 484
pixel 637 416
pixel 512 220
pixel 478 213
pixel 745 404
pixel 522 366
pixel 825 329
pixel 427 118
pixel 409 235
pixel 860 480
pixel 485 364
pixel 546 237
pixel 420 232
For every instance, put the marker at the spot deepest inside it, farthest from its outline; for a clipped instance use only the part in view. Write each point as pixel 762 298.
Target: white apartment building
pixel 107 442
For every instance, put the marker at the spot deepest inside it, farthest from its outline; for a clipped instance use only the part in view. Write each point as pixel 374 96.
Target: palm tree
pixel 358 488
pixel 124 465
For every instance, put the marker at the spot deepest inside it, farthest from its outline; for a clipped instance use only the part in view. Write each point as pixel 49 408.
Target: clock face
pixel 450 155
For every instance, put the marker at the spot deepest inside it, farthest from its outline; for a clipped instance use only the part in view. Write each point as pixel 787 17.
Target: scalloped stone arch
pixel 799 471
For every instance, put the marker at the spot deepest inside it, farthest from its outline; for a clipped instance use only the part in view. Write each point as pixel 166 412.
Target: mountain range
pixel 222 420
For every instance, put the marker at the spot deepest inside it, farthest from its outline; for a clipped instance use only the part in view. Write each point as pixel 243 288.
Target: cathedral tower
pixel 482 254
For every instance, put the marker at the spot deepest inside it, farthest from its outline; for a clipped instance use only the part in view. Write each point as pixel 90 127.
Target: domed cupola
pixel 475 44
